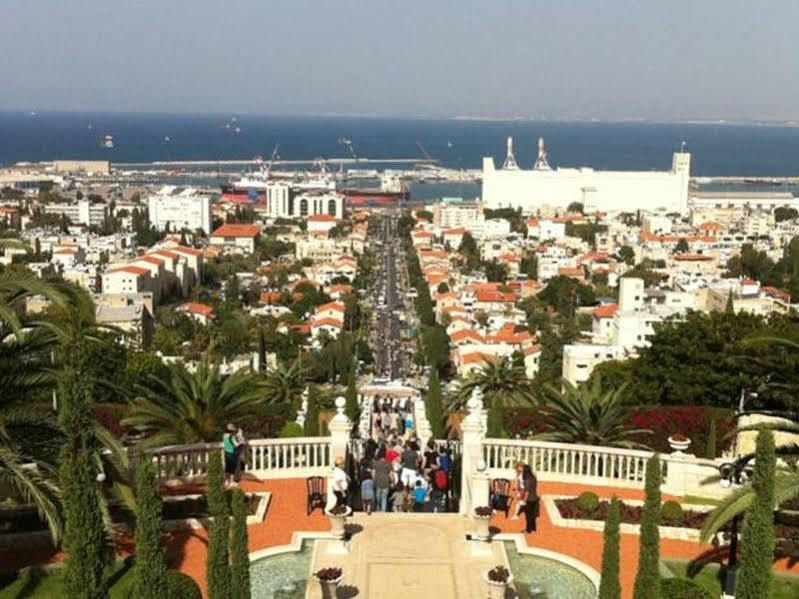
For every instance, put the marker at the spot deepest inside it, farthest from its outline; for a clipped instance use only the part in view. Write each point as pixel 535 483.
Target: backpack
pixel 445 462
pixel 441 480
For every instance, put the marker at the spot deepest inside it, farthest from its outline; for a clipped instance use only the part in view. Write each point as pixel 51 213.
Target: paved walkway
pixel 413 556
pixel 286 514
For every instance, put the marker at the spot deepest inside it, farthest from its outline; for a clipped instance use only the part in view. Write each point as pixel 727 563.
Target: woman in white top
pixel 340 482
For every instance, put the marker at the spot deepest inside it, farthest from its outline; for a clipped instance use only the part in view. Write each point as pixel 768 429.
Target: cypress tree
pixel 434 409
pixel 239 551
pixel 312 416
pixel 217 566
pixel 609 585
pixel 85 540
pixel 647 580
pixel 729 308
pixel 351 395
pixel 754 578
pixel 150 568
pixel 710 449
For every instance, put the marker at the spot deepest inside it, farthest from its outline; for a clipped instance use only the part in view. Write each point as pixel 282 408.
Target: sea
pixel 717 149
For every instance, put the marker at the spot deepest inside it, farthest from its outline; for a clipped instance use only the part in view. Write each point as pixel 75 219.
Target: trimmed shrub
pixel 239 551
pixel 150 565
pixel 588 502
pixel 683 588
pixel 217 566
pixel 710 449
pixel 182 586
pixel 291 429
pixel 671 512
pixel 755 579
pixel 609 584
pixel 647 579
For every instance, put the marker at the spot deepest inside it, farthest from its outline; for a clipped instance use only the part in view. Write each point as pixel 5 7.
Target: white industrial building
pixel 543 186
pixel 180 208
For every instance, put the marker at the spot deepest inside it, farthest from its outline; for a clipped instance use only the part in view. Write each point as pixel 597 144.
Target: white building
pixel 456 215
pixel 180 208
pixel 237 237
pixel 628 191
pixel 81 212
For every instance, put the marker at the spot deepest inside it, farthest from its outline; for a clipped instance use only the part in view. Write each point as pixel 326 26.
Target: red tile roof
pixel 182 249
pixel 135 270
pixel 337 306
pixel 322 218
pixel 196 308
pixel 149 259
pixel 495 296
pixel 236 230
pixel 327 321
pixel 606 311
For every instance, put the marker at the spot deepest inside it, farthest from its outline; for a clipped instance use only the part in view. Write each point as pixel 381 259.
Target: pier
pixel 254 162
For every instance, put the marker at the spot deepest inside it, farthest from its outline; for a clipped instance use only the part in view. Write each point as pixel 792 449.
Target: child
pixel 419 494
pixel 367 492
pixel 398 498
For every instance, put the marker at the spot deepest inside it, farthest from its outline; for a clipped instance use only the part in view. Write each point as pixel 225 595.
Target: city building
pixel 532 189
pixel 236 237
pixel 180 208
pixel 81 212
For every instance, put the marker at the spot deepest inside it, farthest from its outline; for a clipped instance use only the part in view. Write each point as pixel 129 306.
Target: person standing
pixel 382 479
pixel 529 497
pixel 340 482
pixel 231 455
pixel 410 462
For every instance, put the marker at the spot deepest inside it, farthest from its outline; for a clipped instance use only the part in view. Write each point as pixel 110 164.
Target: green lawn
pixel 41 583
pixel 786 586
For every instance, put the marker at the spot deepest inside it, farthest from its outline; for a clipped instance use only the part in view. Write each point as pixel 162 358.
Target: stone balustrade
pixel 264 458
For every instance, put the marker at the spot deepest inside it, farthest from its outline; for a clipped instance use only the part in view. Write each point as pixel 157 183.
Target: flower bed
pixel 630 514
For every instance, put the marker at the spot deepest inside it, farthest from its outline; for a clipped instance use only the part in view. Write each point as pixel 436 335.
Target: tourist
pixel 367 493
pixel 528 496
pixel 398 498
pixel 340 482
pixel 382 479
pixel 410 462
pixel 419 495
pixel 430 456
pixel 241 454
pixel 231 455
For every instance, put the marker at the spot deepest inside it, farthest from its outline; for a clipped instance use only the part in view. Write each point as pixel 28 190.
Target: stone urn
pixel 497 580
pixel 482 521
pixel 329 579
pixel 338 518
pixel 679 443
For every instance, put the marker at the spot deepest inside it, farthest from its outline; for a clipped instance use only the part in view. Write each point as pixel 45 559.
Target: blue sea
pixel 723 149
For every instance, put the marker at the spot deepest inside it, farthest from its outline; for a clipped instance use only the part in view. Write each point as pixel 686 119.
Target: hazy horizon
pixel 623 60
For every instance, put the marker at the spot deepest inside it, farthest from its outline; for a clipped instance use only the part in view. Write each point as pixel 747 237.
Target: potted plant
pixel 497 579
pixel 482 520
pixel 679 442
pixel 328 578
pixel 338 517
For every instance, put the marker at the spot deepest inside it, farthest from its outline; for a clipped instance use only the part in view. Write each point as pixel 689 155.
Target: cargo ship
pixel 392 191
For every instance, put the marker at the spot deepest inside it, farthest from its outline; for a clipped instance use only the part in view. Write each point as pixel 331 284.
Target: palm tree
pixel 185 407
pixel 25 371
pixel 284 385
pixel 587 414
pixel 502 383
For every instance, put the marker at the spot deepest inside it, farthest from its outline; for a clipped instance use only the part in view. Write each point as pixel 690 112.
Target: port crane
pixel 347 142
pixel 268 170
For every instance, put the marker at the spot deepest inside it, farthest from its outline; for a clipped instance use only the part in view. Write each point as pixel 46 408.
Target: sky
pixel 606 59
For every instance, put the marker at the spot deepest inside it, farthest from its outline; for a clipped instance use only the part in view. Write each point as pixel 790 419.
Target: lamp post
pixel 733 473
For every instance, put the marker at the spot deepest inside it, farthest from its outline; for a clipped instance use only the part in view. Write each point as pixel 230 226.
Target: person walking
pixel 340 482
pixel 367 493
pixel 409 460
pixel 382 479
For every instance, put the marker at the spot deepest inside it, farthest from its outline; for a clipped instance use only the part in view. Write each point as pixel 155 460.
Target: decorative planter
pixel 481 527
pixel 329 587
pixel 497 590
pixel 337 522
pixel 679 443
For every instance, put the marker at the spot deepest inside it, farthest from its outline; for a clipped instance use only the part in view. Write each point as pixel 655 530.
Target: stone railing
pixel 264 458
pixel 568 463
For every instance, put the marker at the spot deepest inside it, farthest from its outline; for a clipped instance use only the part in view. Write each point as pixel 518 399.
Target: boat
pixel 107 142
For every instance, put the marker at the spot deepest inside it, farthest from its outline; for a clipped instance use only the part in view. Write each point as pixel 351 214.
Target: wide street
pixel 391 304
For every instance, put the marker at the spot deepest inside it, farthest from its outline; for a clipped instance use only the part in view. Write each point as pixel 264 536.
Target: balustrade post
pixel 340 428
pixel 474 431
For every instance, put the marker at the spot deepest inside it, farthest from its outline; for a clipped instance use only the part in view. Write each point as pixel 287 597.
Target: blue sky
pixel 652 59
